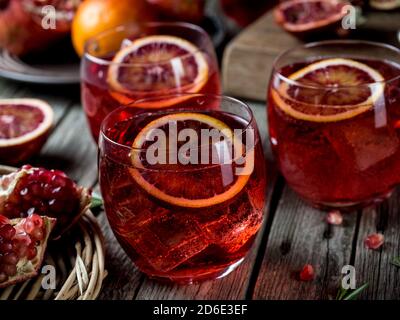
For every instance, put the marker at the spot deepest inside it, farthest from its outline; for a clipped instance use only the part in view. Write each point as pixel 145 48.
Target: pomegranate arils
pixel 334 217
pixel 7 232
pixel 32 252
pixel 9 269
pixel 374 241
pixel 19 249
pixel 307 273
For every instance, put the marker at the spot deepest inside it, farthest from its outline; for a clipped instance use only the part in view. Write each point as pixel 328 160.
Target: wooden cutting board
pixel 248 58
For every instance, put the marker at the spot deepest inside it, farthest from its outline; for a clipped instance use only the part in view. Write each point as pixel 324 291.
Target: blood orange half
pixel 384 4
pixel 190 187
pixel 303 16
pixel 157 65
pixel 329 90
pixel 24 127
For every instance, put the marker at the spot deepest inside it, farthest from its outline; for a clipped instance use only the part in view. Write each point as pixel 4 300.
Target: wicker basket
pixel 78 260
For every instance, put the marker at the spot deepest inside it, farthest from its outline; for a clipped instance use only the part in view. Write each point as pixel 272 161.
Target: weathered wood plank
pixel 299 235
pixel 8 89
pixel 375 267
pixel 60 98
pixel 71 148
pixel 123 279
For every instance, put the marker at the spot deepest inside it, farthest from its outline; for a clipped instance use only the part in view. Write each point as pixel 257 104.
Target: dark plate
pixel 60 65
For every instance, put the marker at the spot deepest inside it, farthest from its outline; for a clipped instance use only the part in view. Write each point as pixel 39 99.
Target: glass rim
pixel 322 43
pixel 165 111
pixel 151 24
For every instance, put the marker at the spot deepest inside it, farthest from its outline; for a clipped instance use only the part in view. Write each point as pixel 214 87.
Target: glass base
pixel 185 280
pixel 348 206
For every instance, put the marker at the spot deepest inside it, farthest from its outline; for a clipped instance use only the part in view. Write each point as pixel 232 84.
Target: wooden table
pixel 294 234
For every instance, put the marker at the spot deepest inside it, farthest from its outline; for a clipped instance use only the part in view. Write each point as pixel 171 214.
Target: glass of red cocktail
pixel 134 62
pixel 184 188
pixel 334 121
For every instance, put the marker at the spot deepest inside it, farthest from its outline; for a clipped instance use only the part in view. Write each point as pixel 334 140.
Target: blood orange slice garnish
pixel 24 126
pixel 190 187
pixel 330 90
pixel 157 65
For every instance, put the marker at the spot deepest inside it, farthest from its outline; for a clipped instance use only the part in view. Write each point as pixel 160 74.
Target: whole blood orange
pixel 96 16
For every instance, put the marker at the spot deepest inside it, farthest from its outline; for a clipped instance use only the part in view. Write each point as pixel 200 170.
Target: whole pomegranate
pixel 44 192
pixel 21 30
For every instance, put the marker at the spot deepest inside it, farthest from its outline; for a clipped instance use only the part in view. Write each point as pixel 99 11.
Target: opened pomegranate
pixel 23 243
pixel 21 29
pixel 44 192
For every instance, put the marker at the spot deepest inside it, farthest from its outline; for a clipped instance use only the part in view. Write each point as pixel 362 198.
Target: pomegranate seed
pixel 7 232
pixel 20 249
pixel 9 269
pixel 4 220
pixel 32 222
pixel 38 234
pixel 334 217
pixel 29 226
pixel 23 238
pixel 10 258
pixel 3 277
pixel 6 247
pixel 307 273
pixel 374 241
pixel 31 253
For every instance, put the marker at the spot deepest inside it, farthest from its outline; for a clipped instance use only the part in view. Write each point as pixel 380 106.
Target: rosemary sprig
pixel 347 294
pixel 97 202
pixel 396 262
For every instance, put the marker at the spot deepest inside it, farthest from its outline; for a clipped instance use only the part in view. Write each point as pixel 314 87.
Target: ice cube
pixel 241 221
pixel 361 144
pixel 132 207
pixel 166 242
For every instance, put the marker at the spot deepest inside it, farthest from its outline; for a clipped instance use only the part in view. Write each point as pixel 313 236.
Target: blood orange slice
pixel 24 127
pixel 303 16
pixel 330 90
pixel 190 187
pixel 157 65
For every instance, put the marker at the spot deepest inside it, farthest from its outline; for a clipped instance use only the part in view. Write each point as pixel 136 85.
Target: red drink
pixel 334 124
pixel 181 222
pixel 131 63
